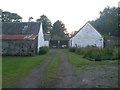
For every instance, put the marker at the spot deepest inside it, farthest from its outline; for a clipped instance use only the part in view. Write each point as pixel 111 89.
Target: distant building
pixel 58 42
pixel 112 41
pixel 86 36
pixel 21 38
pixel 47 39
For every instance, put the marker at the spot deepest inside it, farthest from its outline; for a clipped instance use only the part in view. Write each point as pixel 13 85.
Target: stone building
pixel 21 38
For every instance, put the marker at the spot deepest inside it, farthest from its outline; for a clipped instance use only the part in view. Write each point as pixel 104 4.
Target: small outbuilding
pixel 87 36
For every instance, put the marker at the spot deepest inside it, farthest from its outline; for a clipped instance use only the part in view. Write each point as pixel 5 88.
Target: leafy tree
pixel 107 23
pixel 47 25
pixel 59 30
pixel 10 17
pixel 30 19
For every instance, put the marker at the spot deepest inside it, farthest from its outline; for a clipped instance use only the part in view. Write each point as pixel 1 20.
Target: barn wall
pixel 83 42
pixel 87 36
pixel 18 47
pixel 41 40
pixel 46 43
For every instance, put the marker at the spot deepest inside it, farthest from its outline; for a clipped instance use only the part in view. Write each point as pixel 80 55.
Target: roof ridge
pixel 81 28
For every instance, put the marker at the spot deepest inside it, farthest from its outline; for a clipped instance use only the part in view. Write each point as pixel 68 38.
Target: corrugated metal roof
pixel 18 37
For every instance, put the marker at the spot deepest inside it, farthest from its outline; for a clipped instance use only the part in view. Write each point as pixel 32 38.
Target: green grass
pixel 14 67
pixel 52 70
pixel 77 60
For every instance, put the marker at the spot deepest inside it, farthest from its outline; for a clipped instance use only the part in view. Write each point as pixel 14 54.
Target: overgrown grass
pixel 94 53
pixel 14 67
pixel 52 70
pixel 78 60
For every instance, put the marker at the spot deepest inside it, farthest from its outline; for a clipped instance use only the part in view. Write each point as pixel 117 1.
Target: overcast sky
pixel 73 13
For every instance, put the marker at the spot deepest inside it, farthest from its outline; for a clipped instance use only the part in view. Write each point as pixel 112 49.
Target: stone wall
pixel 18 47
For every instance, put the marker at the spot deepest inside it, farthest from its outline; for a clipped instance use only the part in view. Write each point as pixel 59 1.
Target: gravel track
pixel 70 76
pixel 33 78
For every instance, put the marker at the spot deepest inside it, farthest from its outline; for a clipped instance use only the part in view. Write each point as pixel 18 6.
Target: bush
pixel 43 50
pixel 116 53
pixel 107 54
pixel 94 53
pixel 81 51
pixel 72 49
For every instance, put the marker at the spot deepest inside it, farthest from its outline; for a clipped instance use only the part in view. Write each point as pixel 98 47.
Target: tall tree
pixel 107 23
pixel 59 29
pixel 10 17
pixel 47 25
pixel 30 19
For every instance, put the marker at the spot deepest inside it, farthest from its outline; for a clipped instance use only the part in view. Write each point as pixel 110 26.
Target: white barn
pixel 86 36
pixel 41 41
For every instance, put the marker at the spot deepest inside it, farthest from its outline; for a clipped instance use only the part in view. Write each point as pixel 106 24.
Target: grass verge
pixel 79 61
pixel 15 67
pixel 101 74
pixel 51 71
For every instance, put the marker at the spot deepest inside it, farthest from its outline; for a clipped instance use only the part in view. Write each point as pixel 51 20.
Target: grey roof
pixel 56 37
pixel 78 30
pixel 20 27
pixel 82 28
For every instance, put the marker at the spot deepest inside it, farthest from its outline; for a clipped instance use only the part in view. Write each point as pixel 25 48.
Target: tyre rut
pixel 34 78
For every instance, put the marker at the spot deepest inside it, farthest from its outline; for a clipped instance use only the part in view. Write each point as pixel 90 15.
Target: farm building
pixel 112 41
pixel 47 39
pixel 86 36
pixel 21 38
pixel 58 42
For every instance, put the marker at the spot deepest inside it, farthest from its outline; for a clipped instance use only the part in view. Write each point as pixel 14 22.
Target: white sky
pixel 73 13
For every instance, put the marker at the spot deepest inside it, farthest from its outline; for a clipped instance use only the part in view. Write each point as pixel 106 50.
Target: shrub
pixel 94 53
pixel 43 50
pixel 107 53
pixel 116 54
pixel 72 49
pixel 81 51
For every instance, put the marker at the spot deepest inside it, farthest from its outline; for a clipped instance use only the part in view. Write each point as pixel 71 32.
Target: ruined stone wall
pixel 18 47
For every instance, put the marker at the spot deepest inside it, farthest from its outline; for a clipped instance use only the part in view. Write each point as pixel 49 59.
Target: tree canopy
pixel 59 30
pixel 107 23
pixel 47 25
pixel 10 17
pixel 30 19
